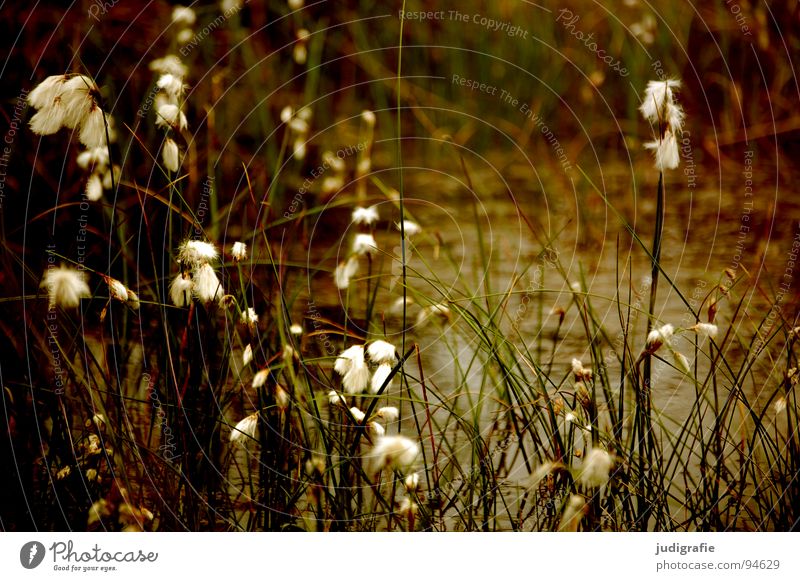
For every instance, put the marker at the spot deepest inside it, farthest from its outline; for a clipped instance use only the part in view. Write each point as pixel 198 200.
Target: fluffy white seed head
pixel 657 337
pixel 376 430
pixel 357 414
pixel 355 381
pixel 65 286
pixel 206 286
pixel 180 291
pixel 412 482
pixel 596 468
pixel 45 93
pixel 382 352
pixel 351 356
pixel 172 85
pixel 380 376
pixel 94 157
pixel 657 96
pixel 388 413
pixel 196 252
pixel 245 430
pixel 94 188
pixel 296 330
pixel 116 290
pixel 239 251
pixel 666 151
pixel 365 216
pixel 93 128
pixel 368 117
pixel 364 244
pixel 260 378
pixel 247 355
pixel 395 452
pixel 344 272
pixel 169 115
pixel 335 399
pixel 249 316
pixel 48 120
pixel 183 16
pixel 410 228
pixel 171 155
pixel 169 64
pixel 706 330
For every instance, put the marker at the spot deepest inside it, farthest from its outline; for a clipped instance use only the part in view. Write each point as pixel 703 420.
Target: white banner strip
pixel 403 556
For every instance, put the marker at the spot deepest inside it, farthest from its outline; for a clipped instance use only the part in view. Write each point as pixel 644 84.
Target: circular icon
pixel 31 554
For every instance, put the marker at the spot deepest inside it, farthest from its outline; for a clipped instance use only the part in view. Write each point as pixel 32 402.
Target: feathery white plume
pixel 246 429
pixel 395 452
pixel 180 291
pixel 65 286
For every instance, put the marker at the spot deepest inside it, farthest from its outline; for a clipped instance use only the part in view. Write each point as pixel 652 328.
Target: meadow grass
pixel 187 415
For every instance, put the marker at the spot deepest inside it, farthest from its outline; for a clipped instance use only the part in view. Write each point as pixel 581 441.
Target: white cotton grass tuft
pixel 705 330
pixel 245 430
pixel 197 252
pixel 169 64
pixel 93 128
pixel 169 115
pixel 357 414
pixel 382 352
pixel 344 272
pixel 658 337
pixel 116 290
pixel 68 101
pixel 239 251
pixel 412 482
pixel 580 372
pixel 183 16
pixel 93 157
pixel 353 368
pixel 171 155
pixel 394 452
pixel 180 291
pixel 249 316
pixel 596 468
pixel 65 286
pixel 666 151
pixel 172 85
pixel 438 311
pixel 659 96
pixel 379 377
pixel 364 244
pixel 296 330
pixel 574 510
pixel 779 405
pixel 376 430
pixel 206 286
pixel 247 355
pixel 335 399
pixel 365 216
pixel 388 413
pixel 94 188
pixel 260 378
pixel 661 110
pixel 344 361
pixel 368 117
pixel 410 228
